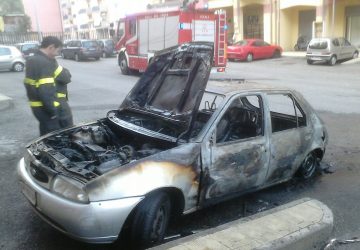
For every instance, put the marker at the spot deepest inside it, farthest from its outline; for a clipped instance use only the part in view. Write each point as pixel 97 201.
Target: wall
pixel 288 28
pixel 48 13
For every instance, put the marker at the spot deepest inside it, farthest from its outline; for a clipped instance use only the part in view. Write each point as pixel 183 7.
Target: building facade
pixel 44 14
pixel 283 21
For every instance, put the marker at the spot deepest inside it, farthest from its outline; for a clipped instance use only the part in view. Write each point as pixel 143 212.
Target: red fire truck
pixel 141 35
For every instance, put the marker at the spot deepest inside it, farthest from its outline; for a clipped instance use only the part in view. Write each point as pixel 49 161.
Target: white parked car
pixel 11 59
pixel 330 50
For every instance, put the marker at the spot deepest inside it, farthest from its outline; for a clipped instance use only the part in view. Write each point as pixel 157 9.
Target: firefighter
pixel 62 78
pixel 40 84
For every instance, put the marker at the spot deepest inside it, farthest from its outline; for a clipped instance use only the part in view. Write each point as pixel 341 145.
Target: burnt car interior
pixel 241 120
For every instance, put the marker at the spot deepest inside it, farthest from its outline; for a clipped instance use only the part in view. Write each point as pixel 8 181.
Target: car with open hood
pixel 173 146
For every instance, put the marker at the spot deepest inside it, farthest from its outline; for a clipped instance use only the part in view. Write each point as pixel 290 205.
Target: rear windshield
pixel 109 42
pixel 318 44
pixel 90 44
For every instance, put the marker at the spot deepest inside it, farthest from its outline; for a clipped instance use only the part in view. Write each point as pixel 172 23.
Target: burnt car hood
pixel 172 86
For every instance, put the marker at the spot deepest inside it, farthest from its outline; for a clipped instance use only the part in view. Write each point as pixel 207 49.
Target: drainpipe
pixel 37 21
pixel 333 18
pixel 271 21
pixel 278 21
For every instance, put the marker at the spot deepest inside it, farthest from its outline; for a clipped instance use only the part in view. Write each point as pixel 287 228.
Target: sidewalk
pixel 5 102
pixel 300 225
pixel 294 53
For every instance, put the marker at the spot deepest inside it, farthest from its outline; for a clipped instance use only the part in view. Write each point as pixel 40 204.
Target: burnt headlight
pixel 69 189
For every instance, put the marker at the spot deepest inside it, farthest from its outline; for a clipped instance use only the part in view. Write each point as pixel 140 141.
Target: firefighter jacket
pixel 40 83
pixel 62 78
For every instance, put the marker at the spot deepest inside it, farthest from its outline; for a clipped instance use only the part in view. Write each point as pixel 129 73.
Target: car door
pixel 289 138
pixel 5 58
pixel 336 48
pixel 347 49
pixel 235 154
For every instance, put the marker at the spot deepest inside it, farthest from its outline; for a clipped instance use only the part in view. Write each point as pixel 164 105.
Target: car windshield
pixel 90 44
pixel 241 43
pixel 318 44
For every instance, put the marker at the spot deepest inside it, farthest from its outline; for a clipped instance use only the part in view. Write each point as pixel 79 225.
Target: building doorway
pixel 253 21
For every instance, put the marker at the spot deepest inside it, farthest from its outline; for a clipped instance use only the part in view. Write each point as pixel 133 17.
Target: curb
pixel 301 224
pixel 5 102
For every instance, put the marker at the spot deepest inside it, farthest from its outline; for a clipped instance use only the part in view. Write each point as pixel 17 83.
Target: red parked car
pixel 250 49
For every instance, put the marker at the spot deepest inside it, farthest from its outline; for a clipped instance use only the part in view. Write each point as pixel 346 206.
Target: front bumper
pixel 238 56
pixel 96 222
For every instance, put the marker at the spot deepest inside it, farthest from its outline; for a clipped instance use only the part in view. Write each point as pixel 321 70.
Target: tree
pixel 11 7
pixel 24 24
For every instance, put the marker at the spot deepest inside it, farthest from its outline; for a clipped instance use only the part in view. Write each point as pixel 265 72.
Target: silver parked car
pixel 171 148
pixel 11 59
pixel 330 50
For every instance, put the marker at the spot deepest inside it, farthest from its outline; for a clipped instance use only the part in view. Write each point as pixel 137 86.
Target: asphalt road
pixel 98 87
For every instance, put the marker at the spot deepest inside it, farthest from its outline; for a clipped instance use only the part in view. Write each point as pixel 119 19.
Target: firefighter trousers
pixel 46 124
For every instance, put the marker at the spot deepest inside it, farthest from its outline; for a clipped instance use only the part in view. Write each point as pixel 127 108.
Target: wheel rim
pixel 18 67
pixel 104 55
pixel 355 55
pixel 123 64
pixel 309 166
pixel 76 57
pixel 159 224
pixel 249 57
pixel 62 55
pixel 333 60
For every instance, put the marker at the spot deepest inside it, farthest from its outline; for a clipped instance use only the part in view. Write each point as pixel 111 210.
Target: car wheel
pixel 150 220
pixel 355 55
pixel 18 67
pixel 63 55
pixel 249 57
pixel 231 60
pixel 276 54
pixel 103 55
pixel 97 58
pixel 123 65
pixel 309 61
pixel 332 61
pixel 77 58
pixel 308 167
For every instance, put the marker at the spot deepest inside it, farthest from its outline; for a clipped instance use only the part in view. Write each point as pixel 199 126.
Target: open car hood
pixel 172 86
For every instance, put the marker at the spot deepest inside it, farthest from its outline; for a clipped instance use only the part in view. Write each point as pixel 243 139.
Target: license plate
pixel 29 193
pixel 316 58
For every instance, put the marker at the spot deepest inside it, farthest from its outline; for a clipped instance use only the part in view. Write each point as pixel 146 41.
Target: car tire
pixel 332 61
pixel 308 167
pixel 249 57
pixel 355 55
pixel 97 58
pixel 18 67
pixel 276 54
pixel 150 220
pixel 77 58
pixel 123 65
pixel 231 60
pixel 63 55
pixel 309 61
pixel 103 55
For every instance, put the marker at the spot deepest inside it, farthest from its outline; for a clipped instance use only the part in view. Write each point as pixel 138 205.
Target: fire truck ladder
pixel 222 41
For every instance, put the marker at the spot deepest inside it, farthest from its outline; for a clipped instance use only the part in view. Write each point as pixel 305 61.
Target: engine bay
pixel 95 149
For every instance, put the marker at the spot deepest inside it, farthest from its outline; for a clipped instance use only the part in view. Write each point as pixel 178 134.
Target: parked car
pixel 330 50
pixel 250 49
pixel 81 49
pixel 11 59
pixel 170 149
pixel 28 48
pixel 107 47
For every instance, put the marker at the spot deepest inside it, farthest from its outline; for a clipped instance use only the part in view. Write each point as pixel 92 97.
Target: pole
pixel 333 18
pixel 37 21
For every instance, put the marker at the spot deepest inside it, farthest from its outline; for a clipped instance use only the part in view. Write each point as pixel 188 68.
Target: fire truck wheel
pixel 123 65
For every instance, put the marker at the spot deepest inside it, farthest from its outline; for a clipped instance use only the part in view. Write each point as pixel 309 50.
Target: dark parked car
pixel 28 48
pixel 107 47
pixel 81 49
pixel 171 148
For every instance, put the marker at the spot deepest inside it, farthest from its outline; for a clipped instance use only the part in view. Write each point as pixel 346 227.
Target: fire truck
pixel 141 35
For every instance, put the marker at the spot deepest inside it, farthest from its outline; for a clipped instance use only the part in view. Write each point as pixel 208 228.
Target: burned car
pixel 175 145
